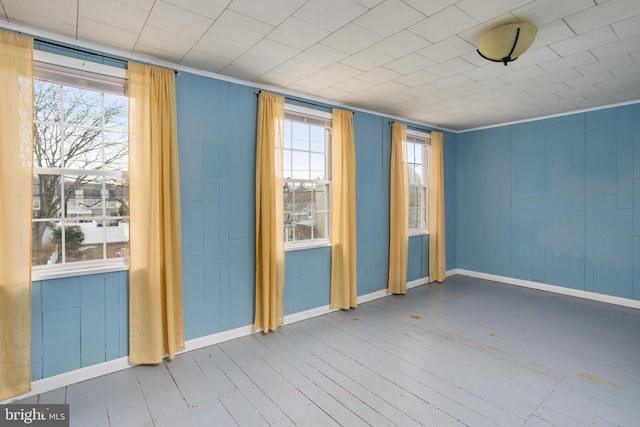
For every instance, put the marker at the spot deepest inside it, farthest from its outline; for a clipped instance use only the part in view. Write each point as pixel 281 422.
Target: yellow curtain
pixel 344 289
pixel 269 213
pixel 16 177
pixel 398 211
pixel 156 324
pixel 437 248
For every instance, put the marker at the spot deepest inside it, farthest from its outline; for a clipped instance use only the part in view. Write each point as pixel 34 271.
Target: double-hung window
pixel 418 144
pixel 307 181
pixel 80 164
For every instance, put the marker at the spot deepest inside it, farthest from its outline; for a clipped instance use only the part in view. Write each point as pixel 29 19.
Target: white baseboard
pixel 83 374
pixel 625 302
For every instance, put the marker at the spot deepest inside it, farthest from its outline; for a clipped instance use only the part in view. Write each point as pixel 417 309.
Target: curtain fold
pixel 156 325
pixel 344 290
pixel 16 177
pixel 437 246
pixel 398 211
pixel 269 310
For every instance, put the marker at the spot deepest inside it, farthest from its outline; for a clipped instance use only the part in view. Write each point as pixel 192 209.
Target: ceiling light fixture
pixel 506 42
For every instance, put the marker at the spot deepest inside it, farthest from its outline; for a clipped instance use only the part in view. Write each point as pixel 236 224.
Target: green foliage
pixel 74 236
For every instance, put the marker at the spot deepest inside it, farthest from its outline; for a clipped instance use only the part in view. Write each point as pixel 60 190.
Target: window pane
pixel 82 107
pixel 317 165
pixel 300 163
pixel 83 148
pixel 116 108
pixel 321 230
pixel 318 147
pixel 46 146
pixel 46 196
pixel 116 151
pixel 321 197
pixel 44 249
pixel 286 157
pixel 317 135
pixel 83 240
pixel 300 131
pixel 46 101
pixel 418 153
pixel 414 218
pixel 411 158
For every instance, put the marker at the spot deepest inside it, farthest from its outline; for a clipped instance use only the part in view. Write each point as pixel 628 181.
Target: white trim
pixel 306 244
pixel 72 269
pixel 62 380
pixel 609 299
pixel 418 282
pixel 551 116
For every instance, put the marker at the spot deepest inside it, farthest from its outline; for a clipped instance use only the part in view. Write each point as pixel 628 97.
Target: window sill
pixel 306 245
pixel 77 270
pixel 418 233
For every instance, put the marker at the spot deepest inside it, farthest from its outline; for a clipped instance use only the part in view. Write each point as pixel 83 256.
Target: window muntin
pixel 80 185
pixel 418 172
pixel 306 179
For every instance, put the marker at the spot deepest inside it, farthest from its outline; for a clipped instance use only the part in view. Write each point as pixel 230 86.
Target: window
pixel 418 171
pixel 307 136
pixel 80 184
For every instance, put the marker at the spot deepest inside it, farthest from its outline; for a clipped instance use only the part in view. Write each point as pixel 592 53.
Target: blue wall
pixel 555 201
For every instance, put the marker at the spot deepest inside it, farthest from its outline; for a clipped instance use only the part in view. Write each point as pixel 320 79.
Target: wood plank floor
pixel 466 352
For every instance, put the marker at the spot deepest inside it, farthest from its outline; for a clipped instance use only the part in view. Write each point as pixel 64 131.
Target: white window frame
pixel 67 70
pixel 423 138
pixel 297 111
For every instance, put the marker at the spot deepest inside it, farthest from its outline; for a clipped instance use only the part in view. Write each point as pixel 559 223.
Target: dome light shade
pixel 506 42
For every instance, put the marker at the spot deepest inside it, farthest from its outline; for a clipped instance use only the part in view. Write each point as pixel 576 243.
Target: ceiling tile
pixel 204 61
pixel 297 33
pixel 452 82
pixel 234 26
pixel 487 71
pixel 584 41
pixel 524 74
pixel 313 83
pixel 551 33
pixel 272 12
pixel 430 7
pixel 370 3
pixel 154 52
pixel 605 65
pixel 533 57
pixel 418 78
pixel 542 12
pixel 379 75
pixel 207 8
pixel 295 68
pixel 570 61
pixel 473 33
pixel 447 49
pixel 3 17
pixel 620 47
pixel 351 39
pixel 400 44
pixel 332 93
pixel 321 55
pixel 339 72
pixel 484 85
pixel 322 13
pixel 450 67
pixel 180 21
pixel 164 40
pixel 248 67
pixel 114 14
pixel 627 71
pixel 366 60
pixel 63 11
pixel 443 24
pixel 219 46
pixel 602 14
pixel 389 89
pixel 548 79
pixel 627 28
pixel 276 79
pixel 409 64
pixel 388 18
pixel 42 22
pixel 98 32
pixel 272 51
pixel 353 85
pixel 483 11
pixel 590 79
pixel 140 4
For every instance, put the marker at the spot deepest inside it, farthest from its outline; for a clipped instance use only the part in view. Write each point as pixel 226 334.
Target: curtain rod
pixel 411 127
pixel 257 92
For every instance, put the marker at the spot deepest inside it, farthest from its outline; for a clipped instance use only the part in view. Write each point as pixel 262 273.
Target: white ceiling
pixel 412 59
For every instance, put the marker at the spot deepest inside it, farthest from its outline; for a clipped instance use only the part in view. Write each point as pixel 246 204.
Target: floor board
pixel 465 352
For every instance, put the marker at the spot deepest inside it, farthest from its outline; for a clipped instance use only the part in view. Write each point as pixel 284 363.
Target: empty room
pixel 320 212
